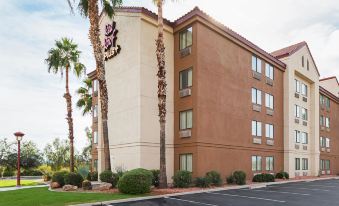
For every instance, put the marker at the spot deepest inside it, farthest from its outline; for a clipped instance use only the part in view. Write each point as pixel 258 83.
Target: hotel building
pixel 230 104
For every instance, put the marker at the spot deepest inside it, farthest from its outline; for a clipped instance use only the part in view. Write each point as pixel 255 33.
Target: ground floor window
pixel 95 165
pixel 186 162
pixel 324 164
pixel 269 163
pixel 305 164
pixel 297 163
pixel 256 163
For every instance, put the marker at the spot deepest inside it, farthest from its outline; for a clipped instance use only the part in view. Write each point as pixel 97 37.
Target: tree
pixel 90 9
pixel 65 56
pixel 85 101
pixel 6 148
pixel 57 154
pixel 84 157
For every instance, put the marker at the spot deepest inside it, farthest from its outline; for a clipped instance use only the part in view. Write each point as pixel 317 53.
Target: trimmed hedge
pixel 214 178
pixel 31 172
pixel 155 177
pixel 202 182
pixel 59 177
pixel 137 181
pixel 73 178
pixel 86 185
pixel 264 177
pixel 239 177
pixel 230 179
pixel 92 176
pixel 282 175
pixel 182 179
pixel 109 177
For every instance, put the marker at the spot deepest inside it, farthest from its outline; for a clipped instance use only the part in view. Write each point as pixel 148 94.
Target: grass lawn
pixel 12 183
pixel 42 197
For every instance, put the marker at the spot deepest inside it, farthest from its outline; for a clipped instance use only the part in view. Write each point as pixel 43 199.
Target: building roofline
pixel 332 77
pixel 92 75
pixel 324 91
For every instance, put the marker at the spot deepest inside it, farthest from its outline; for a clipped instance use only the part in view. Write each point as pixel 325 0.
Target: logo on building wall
pixel 111 48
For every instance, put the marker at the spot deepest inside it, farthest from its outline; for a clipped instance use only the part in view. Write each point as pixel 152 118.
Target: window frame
pixel 257 100
pixel 270 163
pixel 186 155
pixel 257 62
pixel 297 164
pixel 257 123
pixel 269 128
pixel 304 163
pixel 189 71
pixel 257 159
pixel 269 101
pixel 95 137
pixel 185 32
pixel 297 135
pixel 269 71
pixel 304 136
pixel 186 126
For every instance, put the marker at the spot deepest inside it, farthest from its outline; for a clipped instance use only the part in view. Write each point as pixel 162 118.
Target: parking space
pixel 315 193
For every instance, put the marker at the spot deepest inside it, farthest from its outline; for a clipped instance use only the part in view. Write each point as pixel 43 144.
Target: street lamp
pixel 18 136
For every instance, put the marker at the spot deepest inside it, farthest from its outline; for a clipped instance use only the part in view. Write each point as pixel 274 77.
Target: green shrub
pixel 282 175
pixel 73 178
pixel 263 178
pixel 46 171
pixel 92 176
pixel 182 179
pixel 202 182
pixel 214 178
pixel 8 172
pixel 239 177
pixel 59 177
pixel 155 178
pixel 31 172
pixel 230 179
pixel 86 185
pixel 109 177
pixel 120 170
pixel 83 171
pixel 137 181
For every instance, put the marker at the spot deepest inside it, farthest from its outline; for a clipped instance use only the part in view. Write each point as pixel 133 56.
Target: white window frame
pixel 269 71
pixel 327 142
pixel 297 111
pixel 256 128
pixel 297 135
pixel 297 164
pixel 256 96
pixel 304 163
pixel 95 111
pixel 269 101
pixel 186 162
pixel 95 137
pixel 304 114
pixel 304 89
pixel 327 122
pixel 189 80
pixel 297 85
pixel 256 64
pixel 304 138
pixel 186 124
pixel 183 37
pixel 269 131
pixel 256 163
pixel 270 163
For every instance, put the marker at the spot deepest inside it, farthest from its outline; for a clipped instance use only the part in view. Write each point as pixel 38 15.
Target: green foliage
pixel 182 179
pixel 92 176
pixel 137 181
pixel 83 171
pixel 282 175
pixel 31 172
pixel 120 170
pixel 73 178
pixel 240 177
pixel 214 178
pixel 46 171
pixel 109 177
pixel 59 177
pixel 230 179
pixel 108 6
pixel 85 97
pixel 57 154
pixel 202 182
pixel 263 178
pixel 86 185
pixel 156 176
pixel 8 172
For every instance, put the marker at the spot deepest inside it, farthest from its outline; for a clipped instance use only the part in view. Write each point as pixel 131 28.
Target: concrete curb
pixel 4 189
pixel 250 186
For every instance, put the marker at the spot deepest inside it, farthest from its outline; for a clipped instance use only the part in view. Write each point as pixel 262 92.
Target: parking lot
pixel 317 193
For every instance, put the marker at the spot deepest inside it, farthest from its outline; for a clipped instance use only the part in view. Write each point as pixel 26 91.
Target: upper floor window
pixel 185 38
pixel 297 163
pixel 95 111
pixel 269 71
pixel 256 96
pixel 322 142
pixel 297 86
pixel 327 122
pixel 304 138
pixel 95 137
pixel 269 163
pixel 304 114
pixel 308 65
pixel 186 162
pixel 256 163
pixel 302 61
pixel 269 100
pixel 256 64
pixel 256 128
pixel 324 164
pixel 269 130
pixel 95 85
pixel 186 120
pixel 297 136
pixel 185 79
pixel 297 111
pixel 328 142
pixel 304 89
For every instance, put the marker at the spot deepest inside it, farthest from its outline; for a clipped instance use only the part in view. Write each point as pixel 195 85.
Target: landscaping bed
pixel 12 183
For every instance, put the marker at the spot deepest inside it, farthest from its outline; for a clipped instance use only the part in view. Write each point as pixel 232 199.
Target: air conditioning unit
pixel 185 52
pixel 185 133
pixel 185 92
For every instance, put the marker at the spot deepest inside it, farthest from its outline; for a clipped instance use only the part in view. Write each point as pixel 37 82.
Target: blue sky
pixel 31 98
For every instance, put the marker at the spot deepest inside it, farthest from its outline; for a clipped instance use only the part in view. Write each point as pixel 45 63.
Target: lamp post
pixel 18 136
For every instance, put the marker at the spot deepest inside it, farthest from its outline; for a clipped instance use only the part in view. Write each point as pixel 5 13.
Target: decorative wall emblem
pixel 111 48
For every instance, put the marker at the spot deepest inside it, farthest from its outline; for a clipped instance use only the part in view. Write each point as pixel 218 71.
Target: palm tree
pixel 85 100
pixel 65 57
pixel 90 9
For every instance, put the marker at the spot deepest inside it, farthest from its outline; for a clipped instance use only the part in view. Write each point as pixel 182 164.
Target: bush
pixel 109 177
pixel 86 185
pixel 239 177
pixel 8 172
pixel 92 176
pixel 214 178
pixel 59 177
pixel 182 179
pixel 155 178
pixel 31 172
pixel 137 181
pixel 263 178
pixel 120 170
pixel 202 182
pixel 46 171
pixel 282 175
pixel 230 179
pixel 83 171
pixel 73 178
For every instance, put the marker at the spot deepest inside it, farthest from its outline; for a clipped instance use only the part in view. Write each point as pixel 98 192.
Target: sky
pixel 32 100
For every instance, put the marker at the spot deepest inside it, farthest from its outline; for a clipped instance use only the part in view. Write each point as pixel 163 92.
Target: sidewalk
pixel 19 188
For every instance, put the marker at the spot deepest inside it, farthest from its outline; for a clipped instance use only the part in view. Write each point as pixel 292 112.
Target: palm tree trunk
pixel 94 32
pixel 160 52
pixel 69 118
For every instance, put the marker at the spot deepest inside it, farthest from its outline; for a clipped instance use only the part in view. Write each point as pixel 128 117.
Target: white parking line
pixel 249 197
pixel 291 193
pixel 303 188
pixel 323 186
pixel 190 201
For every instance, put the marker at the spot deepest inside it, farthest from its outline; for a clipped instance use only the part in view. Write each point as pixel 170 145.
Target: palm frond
pixel 83 8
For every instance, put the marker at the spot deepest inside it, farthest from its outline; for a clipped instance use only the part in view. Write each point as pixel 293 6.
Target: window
pixel 269 100
pixel 327 142
pixel 185 38
pixel 304 114
pixel 327 164
pixel 185 79
pixel 269 71
pixel 322 99
pixel 304 89
pixel 297 111
pixel 302 61
pixel 307 65
pixel 269 131
pixel 297 136
pixel 186 120
pixel 297 163
pixel 327 102
pixel 322 165
pixel 304 163
pixel 256 96
pixel 256 128
pixel 95 85
pixel 322 120
pixel 95 111
pixel 304 138
pixel 322 142
pixel 297 86
pixel 186 162
pixel 256 64
pixel 269 163
pixel 256 163
pixel 327 122
pixel 95 137
pixel 95 165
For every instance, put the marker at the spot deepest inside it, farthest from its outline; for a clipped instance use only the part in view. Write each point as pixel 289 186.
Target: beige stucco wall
pixel 331 85
pixel 311 79
pixel 132 89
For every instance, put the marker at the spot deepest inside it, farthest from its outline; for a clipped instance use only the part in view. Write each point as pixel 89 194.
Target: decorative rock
pixel 103 186
pixel 69 188
pixel 55 185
